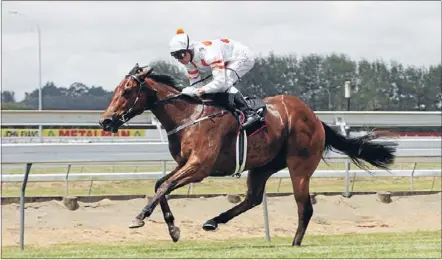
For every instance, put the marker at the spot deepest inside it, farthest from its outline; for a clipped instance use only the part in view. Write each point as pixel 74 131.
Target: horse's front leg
pixel 174 231
pixel 195 170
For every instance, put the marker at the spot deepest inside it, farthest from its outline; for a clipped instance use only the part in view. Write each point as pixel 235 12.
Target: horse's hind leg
pixel 300 172
pixel 256 181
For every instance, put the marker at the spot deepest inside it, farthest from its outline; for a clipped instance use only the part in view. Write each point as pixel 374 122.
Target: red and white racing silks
pixel 217 56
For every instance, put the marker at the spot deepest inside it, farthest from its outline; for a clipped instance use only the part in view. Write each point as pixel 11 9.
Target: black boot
pixel 241 104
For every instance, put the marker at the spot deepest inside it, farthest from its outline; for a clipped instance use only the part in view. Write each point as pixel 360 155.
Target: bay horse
pixel 202 141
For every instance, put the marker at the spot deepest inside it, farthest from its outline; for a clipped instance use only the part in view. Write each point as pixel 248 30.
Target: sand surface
pixel 105 221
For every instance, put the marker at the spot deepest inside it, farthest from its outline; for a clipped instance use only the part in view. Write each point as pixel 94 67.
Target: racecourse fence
pixel 65 154
pixel 153 131
pixel 353 118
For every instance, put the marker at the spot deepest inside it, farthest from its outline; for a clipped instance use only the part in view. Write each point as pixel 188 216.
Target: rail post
pixel 22 206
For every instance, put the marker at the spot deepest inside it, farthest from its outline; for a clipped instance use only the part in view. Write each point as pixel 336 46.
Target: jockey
pixel 226 59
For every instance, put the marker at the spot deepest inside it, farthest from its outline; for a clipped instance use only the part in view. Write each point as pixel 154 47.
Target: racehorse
pixel 202 141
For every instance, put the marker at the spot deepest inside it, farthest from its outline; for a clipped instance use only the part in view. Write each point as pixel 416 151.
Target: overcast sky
pixel 96 43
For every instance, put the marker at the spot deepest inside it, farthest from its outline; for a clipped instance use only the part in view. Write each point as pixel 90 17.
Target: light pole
pixel 330 105
pixel 347 94
pixel 39 55
pixel 329 99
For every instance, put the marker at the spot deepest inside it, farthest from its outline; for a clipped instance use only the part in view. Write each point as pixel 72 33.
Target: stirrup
pixel 251 120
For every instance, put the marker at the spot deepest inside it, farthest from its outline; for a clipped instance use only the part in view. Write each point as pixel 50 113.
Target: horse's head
pixel 131 97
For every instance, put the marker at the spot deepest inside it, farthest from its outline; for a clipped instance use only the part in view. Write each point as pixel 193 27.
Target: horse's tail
pixel 378 154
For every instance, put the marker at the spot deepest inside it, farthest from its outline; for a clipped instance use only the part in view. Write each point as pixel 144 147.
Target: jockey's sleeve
pixel 193 73
pixel 216 61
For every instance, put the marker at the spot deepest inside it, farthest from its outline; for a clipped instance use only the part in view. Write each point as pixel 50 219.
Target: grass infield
pixel 377 245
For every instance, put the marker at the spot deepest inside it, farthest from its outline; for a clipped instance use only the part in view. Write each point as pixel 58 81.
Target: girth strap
pixel 241 152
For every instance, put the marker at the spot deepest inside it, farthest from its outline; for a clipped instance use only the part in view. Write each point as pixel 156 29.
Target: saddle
pixel 258 105
pixel 255 103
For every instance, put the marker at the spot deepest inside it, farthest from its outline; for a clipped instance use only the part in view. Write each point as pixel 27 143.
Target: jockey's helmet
pixel 179 44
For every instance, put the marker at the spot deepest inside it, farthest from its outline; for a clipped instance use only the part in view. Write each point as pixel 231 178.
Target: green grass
pixel 379 245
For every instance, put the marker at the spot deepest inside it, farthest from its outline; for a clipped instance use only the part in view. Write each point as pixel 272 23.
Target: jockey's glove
pixel 190 91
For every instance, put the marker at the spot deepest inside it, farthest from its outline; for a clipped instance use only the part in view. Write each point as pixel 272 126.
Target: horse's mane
pixel 160 78
pixel 168 80
pixel 165 79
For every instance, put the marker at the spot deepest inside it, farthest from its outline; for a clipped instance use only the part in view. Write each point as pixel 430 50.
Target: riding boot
pixel 241 104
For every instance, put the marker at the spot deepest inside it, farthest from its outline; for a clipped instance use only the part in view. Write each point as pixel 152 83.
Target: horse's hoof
pixel 136 223
pixel 175 233
pixel 296 243
pixel 210 225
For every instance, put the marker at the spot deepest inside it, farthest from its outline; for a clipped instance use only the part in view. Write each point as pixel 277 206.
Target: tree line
pixel 316 79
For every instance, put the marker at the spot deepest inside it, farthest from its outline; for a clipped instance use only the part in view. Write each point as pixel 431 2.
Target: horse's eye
pixel 126 92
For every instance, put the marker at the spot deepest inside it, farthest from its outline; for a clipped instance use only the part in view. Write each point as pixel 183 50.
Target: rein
pixel 142 84
pixel 181 127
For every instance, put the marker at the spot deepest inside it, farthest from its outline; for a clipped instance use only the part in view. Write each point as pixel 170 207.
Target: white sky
pixel 96 43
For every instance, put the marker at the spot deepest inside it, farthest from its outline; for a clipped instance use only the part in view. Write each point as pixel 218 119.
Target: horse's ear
pixel 149 70
pixel 143 74
pixel 134 70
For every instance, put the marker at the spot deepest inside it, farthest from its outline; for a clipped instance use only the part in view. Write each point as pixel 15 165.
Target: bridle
pixel 141 84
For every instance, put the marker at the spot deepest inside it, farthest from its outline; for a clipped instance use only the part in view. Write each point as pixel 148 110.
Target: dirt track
pixel 51 222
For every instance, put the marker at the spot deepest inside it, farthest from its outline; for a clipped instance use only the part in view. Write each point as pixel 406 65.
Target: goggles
pixel 179 54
